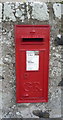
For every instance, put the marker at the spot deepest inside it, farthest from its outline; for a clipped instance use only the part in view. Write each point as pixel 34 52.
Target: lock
pixel 26 75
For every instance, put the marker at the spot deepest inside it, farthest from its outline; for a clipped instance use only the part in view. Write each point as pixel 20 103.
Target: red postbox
pixel 32 63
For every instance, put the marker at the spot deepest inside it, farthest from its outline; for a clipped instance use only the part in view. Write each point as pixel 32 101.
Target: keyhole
pixel 25 75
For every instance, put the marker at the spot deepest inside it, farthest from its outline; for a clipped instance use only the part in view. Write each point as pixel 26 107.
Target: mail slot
pixel 32 63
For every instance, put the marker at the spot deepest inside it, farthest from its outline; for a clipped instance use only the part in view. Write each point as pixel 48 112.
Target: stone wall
pixel 28 13
pixel 31 1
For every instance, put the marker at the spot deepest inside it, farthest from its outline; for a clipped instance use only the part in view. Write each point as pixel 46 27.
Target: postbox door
pixel 32 63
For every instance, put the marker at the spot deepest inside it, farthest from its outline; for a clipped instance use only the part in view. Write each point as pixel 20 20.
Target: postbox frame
pixel 45 99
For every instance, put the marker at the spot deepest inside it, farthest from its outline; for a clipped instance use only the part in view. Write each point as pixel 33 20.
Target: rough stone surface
pixel 62 68
pixel 8 12
pixel 40 11
pixel 21 13
pixel 62 9
pixel 0 12
pixel 57 10
pixel 31 1
pixel 1 64
pixel 13 12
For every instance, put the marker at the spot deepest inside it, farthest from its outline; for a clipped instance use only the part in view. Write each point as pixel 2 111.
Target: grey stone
pixel 0 12
pixel 57 10
pixel 41 114
pixel 8 13
pixel 62 9
pixel 18 13
pixel 40 11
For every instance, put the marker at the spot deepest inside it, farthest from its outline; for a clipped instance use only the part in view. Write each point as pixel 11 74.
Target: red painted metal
pixel 32 85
